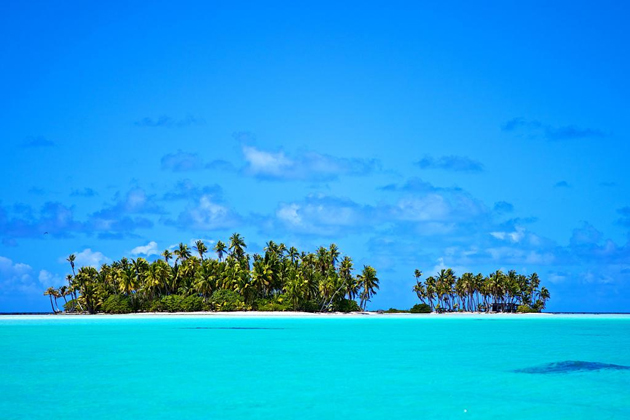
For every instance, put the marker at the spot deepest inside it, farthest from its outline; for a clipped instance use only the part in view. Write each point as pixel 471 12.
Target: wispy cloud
pixel 323 216
pixel 450 163
pixel 185 189
pixel 585 235
pixel 85 192
pixel 206 214
pixel 37 142
pixel 550 132
pixel 181 161
pixel 561 184
pixel 120 218
pixel 36 191
pixel 126 214
pixel 416 185
pixel 625 216
pixel 21 221
pixel 307 166
pixel 503 207
pixel 220 165
pixel 168 122
pixel 424 212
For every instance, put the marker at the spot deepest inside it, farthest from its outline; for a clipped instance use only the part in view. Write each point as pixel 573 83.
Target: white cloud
pixel 432 207
pixel 136 200
pixel 90 258
pixel 556 278
pixel 261 162
pixel 515 236
pixel 207 215
pixel 513 255
pixel 308 165
pixel 15 276
pixel 289 214
pixel 323 215
pixel 149 249
pixel 48 279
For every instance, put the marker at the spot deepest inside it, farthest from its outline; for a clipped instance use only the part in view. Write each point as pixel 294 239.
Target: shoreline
pixel 310 315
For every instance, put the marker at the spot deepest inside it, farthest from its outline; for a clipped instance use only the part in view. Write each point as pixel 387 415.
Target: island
pixel 281 279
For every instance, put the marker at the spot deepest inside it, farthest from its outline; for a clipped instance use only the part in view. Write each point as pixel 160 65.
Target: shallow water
pixel 377 367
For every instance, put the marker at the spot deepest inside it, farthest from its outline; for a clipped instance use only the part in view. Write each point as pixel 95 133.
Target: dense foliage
pixel 420 308
pixel 498 292
pixel 280 279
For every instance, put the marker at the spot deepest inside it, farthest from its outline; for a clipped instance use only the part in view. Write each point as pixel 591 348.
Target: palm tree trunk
pixel 51 304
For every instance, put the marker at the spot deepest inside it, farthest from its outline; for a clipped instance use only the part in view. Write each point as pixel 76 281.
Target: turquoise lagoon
pixel 316 367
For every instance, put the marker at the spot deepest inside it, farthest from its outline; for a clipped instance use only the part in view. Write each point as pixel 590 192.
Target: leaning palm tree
pixel 419 288
pixel 56 295
pixel 63 292
pixel 369 282
pixel 50 292
pixel 543 297
pixel 167 255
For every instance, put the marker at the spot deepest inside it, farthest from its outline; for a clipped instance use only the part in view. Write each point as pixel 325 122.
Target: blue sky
pixel 443 134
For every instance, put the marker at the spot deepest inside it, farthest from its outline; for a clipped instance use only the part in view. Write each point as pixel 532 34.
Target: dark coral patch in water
pixel 571 366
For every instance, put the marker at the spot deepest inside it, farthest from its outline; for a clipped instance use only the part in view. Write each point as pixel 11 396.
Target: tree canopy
pixel 498 292
pixel 280 278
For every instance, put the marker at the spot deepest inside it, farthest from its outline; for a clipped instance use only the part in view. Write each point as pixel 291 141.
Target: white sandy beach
pixel 288 314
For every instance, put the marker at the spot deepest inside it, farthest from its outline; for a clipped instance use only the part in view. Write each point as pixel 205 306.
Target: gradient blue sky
pixel 473 135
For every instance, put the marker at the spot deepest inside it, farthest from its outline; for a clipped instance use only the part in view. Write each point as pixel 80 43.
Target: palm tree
pixel 50 292
pixel 56 295
pixel 293 254
pixel 63 292
pixel 321 280
pixel 369 282
pixel 87 280
pixel 333 253
pixel 220 249
pixel 182 253
pixel 419 287
pixel 205 279
pixel 476 292
pixel 543 297
pixel 71 258
pixel 293 289
pixel 237 246
pixel 350 284
pixel 201 248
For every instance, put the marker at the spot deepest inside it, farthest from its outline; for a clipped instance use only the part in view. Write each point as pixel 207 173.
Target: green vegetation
pixel 420 308
pixel 498 292
pixel 395 311
pixel 282 279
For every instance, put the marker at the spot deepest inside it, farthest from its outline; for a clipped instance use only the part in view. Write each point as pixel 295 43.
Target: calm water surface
pixel 378 367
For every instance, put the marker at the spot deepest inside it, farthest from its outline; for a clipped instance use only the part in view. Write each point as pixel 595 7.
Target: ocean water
pixel 371 367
